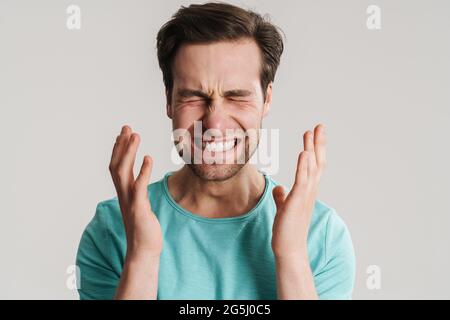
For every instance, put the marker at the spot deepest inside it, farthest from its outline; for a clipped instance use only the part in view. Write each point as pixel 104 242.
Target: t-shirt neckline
pixel 194 216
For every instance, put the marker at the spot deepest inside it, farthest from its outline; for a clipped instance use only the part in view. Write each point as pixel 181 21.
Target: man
pixel 218 228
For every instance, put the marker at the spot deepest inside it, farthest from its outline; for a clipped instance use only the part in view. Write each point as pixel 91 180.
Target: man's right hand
pixel 143 231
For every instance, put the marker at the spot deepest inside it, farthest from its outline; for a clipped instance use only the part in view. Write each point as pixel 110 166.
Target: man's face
pixel 217 87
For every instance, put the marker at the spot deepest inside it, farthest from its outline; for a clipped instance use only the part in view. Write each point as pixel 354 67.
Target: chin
pixel 215 172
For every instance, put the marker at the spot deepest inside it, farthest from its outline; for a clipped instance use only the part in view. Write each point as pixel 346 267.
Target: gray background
pixel 383 95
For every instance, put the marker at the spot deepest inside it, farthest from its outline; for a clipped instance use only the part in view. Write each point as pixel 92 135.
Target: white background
pixel 383 95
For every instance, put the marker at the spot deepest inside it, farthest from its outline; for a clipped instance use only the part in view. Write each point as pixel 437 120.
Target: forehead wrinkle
pixel 199 74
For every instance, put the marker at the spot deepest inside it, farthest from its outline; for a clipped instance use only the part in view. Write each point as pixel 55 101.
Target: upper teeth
pixel 219 146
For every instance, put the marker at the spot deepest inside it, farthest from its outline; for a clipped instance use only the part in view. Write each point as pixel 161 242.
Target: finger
pixel 120 146
pixel 301 175
pixel 119 182
pixel 126 164
pixel 279 196
pixel 143 178
pixel 308 143
pixel 320 142
pixel 124 172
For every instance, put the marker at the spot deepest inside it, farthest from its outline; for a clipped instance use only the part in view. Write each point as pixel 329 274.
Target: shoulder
pixel 108 215
pixel 107 219
pixel 332 253
pixel 107 224
pixel 102 236
pixel 324 220
pixel 328 236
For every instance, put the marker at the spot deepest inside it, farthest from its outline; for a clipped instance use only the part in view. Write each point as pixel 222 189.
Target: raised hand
pixel 291 224
pixel 143 231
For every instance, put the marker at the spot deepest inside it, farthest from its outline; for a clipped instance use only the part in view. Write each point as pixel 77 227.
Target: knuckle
pixel 135 188
pixel 113 168
pixel 120 170
pixel 304 159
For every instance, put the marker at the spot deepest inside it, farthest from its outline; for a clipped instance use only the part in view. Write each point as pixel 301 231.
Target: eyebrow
pixel 188 93
pixel 238 93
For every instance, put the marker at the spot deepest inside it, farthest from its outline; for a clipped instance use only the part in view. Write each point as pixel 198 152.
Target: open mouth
pixel 217 145
pixel 220 146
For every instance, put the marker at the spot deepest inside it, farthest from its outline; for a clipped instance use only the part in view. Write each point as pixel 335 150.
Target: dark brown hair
pixel 218 21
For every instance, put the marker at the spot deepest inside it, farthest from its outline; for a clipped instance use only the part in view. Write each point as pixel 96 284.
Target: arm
pixel 291 224
pixel 139 278
pixel 295 279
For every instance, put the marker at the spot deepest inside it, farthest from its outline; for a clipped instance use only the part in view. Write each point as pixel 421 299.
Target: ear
pixel 168 105
pixel 268 100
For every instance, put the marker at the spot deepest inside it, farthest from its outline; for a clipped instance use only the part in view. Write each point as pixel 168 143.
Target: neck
pixel 238 194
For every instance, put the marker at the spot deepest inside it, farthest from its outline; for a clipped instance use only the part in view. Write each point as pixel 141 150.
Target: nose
pixel 216 117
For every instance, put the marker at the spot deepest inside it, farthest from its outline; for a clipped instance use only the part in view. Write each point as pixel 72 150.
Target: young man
pixel 216 229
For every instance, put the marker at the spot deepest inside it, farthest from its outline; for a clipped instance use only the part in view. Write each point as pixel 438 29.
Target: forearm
pixel 139 279
pixel 294 279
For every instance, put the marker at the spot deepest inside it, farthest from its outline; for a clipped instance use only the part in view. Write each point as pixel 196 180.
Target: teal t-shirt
pixel 214 258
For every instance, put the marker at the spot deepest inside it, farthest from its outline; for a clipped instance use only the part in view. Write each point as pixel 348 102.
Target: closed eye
pixel 194 100
pixel 239 100
pixel 242 99
pixel 193 103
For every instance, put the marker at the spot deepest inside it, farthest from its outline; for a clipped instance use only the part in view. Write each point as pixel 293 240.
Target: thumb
pixel 279 196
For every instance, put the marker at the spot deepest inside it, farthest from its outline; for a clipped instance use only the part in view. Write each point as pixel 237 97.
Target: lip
pixel 219 140
pixel 203 142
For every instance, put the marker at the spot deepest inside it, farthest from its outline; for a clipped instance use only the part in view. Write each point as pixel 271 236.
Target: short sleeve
pixel 98 271
pixel 335 279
